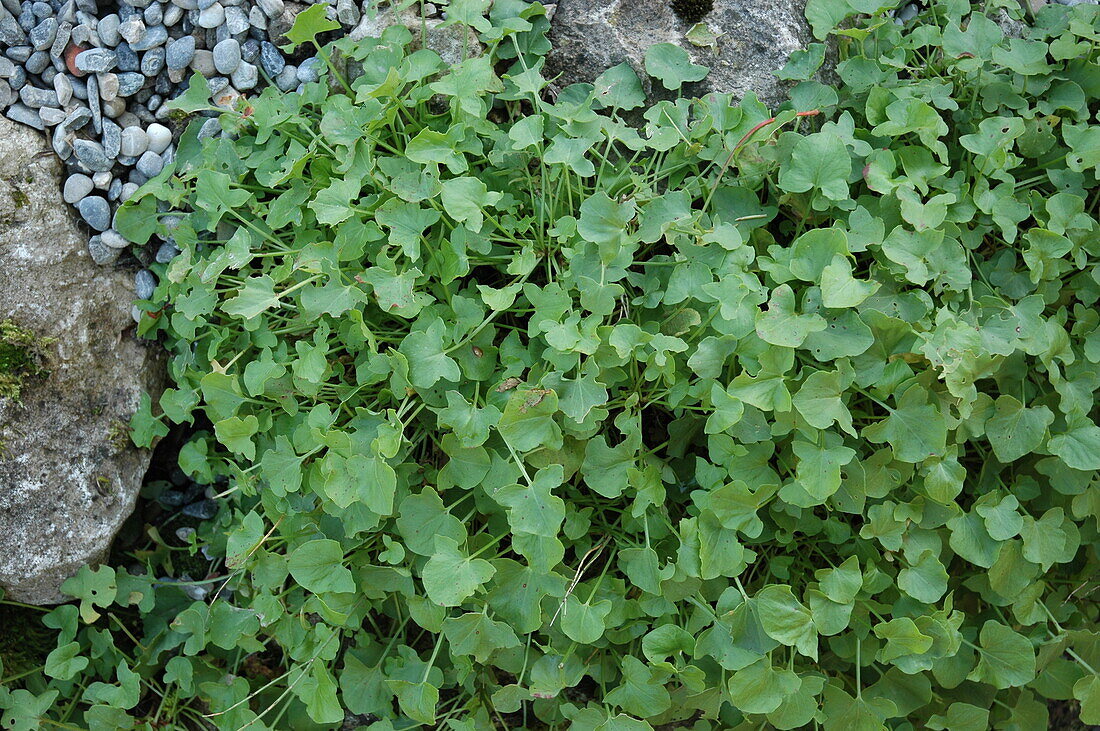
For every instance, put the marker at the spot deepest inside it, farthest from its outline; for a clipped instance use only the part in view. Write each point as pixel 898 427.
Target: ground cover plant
pixel 540 408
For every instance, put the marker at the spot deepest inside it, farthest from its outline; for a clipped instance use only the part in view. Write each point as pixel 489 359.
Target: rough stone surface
pixel 68 476
pixel 754 40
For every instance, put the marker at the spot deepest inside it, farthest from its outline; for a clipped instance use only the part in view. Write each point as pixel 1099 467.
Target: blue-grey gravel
pixel 144 284
pixel 96 212
pixel 94 77
pixel 76 187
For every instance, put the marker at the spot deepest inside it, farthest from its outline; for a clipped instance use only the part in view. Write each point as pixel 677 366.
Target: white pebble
pixel 134 141
pixel 159 137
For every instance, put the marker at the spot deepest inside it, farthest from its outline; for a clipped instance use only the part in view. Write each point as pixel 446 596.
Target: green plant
pixel 530 418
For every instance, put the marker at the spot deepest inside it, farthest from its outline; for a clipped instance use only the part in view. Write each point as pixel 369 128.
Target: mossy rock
pixel 22 356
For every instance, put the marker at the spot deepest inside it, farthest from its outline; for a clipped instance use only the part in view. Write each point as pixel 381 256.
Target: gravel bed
pixel 95 78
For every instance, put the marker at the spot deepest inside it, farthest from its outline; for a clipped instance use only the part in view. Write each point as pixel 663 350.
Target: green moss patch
pixel 21 357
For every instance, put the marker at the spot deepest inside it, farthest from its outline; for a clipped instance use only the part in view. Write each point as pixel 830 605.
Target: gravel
pixel 94 77
pixel 95 211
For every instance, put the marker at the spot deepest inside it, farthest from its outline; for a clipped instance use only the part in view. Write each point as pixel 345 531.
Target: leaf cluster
pixel 527 416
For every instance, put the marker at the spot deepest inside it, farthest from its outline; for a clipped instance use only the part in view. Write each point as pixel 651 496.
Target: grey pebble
pixel 115 190
pixel 134 141
pixel 112 139
pixel 81 34
pixel 129 83
pixel 272 8
pixel 212 16
pixel 114 108
pixel 227 56
pixel 96 212
pixel 38 62
pixel 167 252
pixel 35 98
pixel 236 20
pixel 132 29
pixel 309 70
pixel 144 284
pixel 78 117
pixel 96 60
pixel 204 4
pixel 245 77
pixel 6 94
pixel 92 155
pixel 94 104
pixel 19 78
pixel 102 180
pixel 114 239
pixel 19 54
pixel 108 86
pixel 128 59
pixel 7 68
pixel 250 50
pixel 203 62
pixel 76 187
pixel 257 19
pixel 154 14
pixel 271 59
pixel 101 253
pixel 347 12
pixel 150 164
pixel 287 78
pixel 179 52
pixel 186 4
pixel 11 34
pixel 43 34
pixel 154 36
pixel 128 189
pixel 203 509
pixel 216 84
pixel 51 115
pixel 63 88
pixel 25 115
pixel 108 30
pixel 61 38
pixel 152 61
pixel 172 15
pixel 210 128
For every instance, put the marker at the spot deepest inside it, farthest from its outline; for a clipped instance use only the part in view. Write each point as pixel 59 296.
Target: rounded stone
pixel 203 63
pixel 271 59
pixel 245 77
pixel 114 239
pixel 76 187
pixel 96 60
pixel 144 284
pixel 309 70
pixel 149 164
pixel 108 30
pixel 179 52
pixel 101 253
pixel 227 56
pixel 159 137
pixel 96 212
pixel 212 16
pixel 134 141
pixel 63 88
pixel 102 180
pixel 153 36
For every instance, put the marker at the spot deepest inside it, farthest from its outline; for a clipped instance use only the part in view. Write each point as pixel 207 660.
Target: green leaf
pixel 528 420
pixel 780 324
pixel 925 580
pixel 65 662
pixel 1006 658
pixel 450 576
pixel 786 620
pixel 318 565
pixel 1078 446
pixel 672 65
pixel 642 691
pixel 915 430
pixel 760 688
pixel 475 634
pixel 534 508
pixel 1015 431
pixel 308 24
pixel 818 161
pixel 584 622
pixel 144 427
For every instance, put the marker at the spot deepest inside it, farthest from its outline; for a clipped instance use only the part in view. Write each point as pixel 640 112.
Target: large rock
pixel 68 473
pixel 754 39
